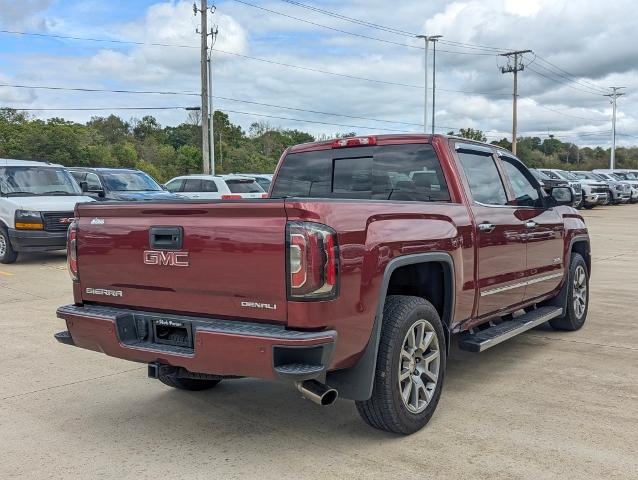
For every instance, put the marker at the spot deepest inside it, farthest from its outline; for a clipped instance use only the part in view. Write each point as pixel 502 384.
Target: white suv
pixel 215 187
pixel 37 201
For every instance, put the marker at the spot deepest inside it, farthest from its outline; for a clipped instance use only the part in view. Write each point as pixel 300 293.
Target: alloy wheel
pixel 419 366
pixel 579 294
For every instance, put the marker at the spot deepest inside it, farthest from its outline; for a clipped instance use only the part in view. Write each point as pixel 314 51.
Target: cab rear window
pixel 391 172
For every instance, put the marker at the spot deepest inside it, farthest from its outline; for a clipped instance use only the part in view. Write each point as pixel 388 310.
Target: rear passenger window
pixel 209 186
pixel 175 185
pixel 483 177
pixel 409 172
pixel 193 185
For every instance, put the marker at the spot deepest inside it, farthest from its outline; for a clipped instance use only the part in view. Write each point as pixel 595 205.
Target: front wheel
pixel 410 367
pixel 577 296
pixel 7 253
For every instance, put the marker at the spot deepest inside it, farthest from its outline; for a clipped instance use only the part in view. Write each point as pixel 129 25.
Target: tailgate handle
pixel 166 238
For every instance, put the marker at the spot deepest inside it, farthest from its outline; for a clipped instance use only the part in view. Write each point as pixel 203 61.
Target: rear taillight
pixel 72 251
pixel 313 261
pixel 231 197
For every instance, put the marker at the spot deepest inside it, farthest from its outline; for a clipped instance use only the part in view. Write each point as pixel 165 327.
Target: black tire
pixel 575 316
pixel 581 202
pixel 386 409
pixel 192 384
pixel 589 207
pixel 7 253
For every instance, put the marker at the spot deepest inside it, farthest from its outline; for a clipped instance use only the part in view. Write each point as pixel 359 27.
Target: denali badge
pixel 269 306
pixel 102 291
pixel 167 259
pixel 97 221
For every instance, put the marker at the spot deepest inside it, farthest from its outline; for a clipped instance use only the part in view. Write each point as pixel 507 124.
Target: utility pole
pixel 203 31
pixel 515 68
pixel 614 95
pixel 426 39
pixel 211 110
pixel 434 39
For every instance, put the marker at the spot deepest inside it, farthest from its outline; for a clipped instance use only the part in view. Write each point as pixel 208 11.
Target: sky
pixel 363 73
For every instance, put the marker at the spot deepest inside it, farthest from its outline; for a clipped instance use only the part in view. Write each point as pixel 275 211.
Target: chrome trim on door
pixel 493 291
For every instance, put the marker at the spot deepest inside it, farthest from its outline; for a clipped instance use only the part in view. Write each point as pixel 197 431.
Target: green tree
pixel 470 134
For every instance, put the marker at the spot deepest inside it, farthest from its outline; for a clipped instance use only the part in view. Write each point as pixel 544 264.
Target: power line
pixel 100 40
pixel 214 96
pixel 91 109
pixel 264 60
pixel 98 109
pixel 360 35
pixel 83 89
pixel 569 114
pixel 559 75
pixel 567 83
pixel 317 111
pixel 315 121
pixel 386 28
pixel 593 85
pixel 352 20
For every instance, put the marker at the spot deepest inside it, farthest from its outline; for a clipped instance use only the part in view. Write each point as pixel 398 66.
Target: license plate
pixel 173 332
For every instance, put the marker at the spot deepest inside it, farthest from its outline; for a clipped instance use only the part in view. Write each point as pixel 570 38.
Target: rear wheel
pixel 410 367
pixel 192 384
pixel 7 253
pixel 577 296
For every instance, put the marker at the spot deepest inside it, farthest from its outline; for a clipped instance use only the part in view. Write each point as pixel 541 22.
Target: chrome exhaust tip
pixel 317 392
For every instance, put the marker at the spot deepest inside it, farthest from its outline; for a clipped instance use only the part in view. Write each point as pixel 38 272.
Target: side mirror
pixel 562 195
pixel 84 186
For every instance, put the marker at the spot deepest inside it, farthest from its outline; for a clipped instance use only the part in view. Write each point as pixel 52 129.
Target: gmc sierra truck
pixel 370 256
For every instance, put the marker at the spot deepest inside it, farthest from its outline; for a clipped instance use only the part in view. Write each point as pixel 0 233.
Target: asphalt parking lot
pixel 543 405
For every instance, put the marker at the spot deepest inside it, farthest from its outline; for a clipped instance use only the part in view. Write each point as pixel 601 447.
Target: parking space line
pixel 6 274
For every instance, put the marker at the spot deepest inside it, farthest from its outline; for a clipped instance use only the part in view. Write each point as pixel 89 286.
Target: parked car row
pixel 37 199
pixel 598 187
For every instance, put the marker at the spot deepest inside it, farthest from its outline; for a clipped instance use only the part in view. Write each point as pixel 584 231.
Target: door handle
pixel 486 227
pixel 531 224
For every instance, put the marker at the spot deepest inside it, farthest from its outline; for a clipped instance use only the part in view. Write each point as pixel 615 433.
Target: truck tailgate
pixel 231 262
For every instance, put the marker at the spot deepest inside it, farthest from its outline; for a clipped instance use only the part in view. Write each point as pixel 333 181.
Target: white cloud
pixel 595 41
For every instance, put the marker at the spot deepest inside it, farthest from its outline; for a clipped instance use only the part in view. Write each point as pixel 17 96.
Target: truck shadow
pixel 275 409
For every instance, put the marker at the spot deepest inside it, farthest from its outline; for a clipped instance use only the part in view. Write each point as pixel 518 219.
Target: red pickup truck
pixel 369 257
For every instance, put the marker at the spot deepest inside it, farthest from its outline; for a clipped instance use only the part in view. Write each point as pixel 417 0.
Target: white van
pixel 37 201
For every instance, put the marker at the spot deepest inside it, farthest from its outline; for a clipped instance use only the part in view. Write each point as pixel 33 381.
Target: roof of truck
pixel 391 139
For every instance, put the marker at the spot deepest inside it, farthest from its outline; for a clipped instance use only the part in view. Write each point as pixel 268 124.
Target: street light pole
pixel 434 39
pixel 426 39
pixel 614 96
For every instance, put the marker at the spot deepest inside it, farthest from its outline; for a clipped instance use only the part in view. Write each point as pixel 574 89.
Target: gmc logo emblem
pixel 166 259
pixel 66 221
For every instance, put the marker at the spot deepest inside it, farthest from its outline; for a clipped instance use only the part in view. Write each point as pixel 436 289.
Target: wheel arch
pixel 577 244
pixel 355 383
